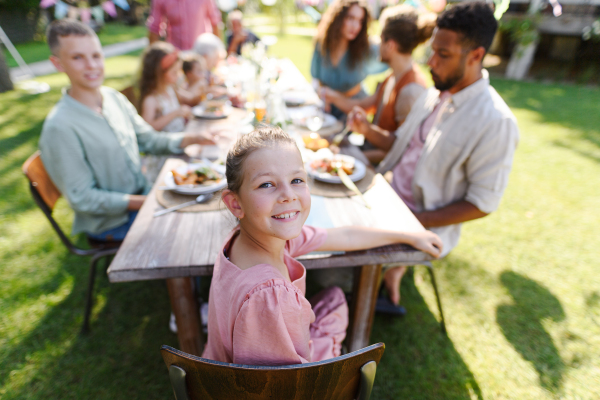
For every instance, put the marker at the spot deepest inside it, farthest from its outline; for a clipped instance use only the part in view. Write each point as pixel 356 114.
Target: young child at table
pixel 162 104
pixel 258 314
pixel 194 69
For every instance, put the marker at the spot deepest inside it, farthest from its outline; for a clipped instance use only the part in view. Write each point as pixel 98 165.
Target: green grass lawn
pixel 111 33
pixel 521 293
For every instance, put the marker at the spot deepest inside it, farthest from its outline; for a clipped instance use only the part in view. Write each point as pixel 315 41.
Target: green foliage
pixel 522 29
pixel 19 5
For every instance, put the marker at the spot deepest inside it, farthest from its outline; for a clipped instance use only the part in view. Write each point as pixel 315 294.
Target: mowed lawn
pixel 521 293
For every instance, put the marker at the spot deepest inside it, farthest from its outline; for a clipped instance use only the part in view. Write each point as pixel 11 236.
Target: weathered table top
pixel 181 244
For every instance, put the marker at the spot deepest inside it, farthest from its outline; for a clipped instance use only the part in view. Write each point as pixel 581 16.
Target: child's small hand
pixel 427 242
pixel 185 112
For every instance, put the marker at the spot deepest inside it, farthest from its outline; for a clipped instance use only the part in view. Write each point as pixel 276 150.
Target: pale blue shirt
pixel 343 77
pixel 93 158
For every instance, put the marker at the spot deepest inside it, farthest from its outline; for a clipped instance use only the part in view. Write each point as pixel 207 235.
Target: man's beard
pixel 451 80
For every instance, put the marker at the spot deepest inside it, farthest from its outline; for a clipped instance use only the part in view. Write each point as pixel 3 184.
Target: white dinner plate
pixel 328 120
pixel 297 98
pixel 200 112
pixel 196 189
pixel 360 170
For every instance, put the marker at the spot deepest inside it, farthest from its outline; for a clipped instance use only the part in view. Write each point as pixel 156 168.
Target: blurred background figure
pixel 185 20
pixel 237 35
pixel 343 56
pixel 403 29
pixel 212 50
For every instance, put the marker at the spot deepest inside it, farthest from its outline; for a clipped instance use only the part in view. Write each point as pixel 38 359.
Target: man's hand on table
pixel 197 138
pixel 135 202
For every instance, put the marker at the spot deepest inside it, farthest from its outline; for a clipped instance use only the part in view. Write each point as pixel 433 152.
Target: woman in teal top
pixel 343 56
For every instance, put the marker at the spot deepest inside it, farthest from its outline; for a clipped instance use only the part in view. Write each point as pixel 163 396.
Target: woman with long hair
pixel 343 56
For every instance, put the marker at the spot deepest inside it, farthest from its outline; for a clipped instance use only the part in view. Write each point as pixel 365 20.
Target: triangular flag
pixel 86 14
pixel 110 9
pixel 47 3
pixel 98 14
pixel 122 3
pixel 73 12
pixel 61 10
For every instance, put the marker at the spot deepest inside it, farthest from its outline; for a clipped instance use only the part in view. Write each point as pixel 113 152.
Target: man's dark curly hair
pixel 474 21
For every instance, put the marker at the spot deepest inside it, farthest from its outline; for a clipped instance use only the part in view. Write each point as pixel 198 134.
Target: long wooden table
pixel 180 245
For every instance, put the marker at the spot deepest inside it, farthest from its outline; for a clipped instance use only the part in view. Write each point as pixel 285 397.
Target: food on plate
pixel 204 175
pixel 332 165
pixel 314 142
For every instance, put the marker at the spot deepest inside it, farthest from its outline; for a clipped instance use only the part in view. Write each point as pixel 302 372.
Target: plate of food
pixel 314 142
pixel 325 169
pixel 212 109
pixel 197 178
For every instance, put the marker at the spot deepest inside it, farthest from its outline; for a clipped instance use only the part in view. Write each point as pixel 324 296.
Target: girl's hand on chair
pixel 427 242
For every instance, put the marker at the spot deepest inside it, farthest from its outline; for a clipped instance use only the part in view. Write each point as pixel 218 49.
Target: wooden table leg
pixel 185 308
pixel 362 309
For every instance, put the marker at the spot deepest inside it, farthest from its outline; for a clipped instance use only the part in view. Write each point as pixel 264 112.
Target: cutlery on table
pixel 199 199
pixel 337 139
pixel 350 185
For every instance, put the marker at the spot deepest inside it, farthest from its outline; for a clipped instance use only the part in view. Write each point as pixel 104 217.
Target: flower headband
pixel 169 60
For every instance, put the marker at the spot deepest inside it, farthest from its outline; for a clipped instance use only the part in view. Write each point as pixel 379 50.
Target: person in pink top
pixel 257 310
pixel 185 20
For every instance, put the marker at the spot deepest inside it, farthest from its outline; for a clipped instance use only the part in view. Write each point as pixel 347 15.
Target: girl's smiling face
pixel 274 199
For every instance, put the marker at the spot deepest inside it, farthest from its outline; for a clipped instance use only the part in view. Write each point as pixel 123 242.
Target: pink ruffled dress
pixel 257 317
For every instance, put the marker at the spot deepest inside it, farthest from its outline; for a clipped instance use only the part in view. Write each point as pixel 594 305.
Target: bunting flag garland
pixel 110 8
pixel 121 3
pixel 98 14
pixel 47 3
pixel 62 9
pixel 85 15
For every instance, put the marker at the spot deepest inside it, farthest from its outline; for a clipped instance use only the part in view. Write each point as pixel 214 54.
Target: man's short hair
pixel 65 27
pixel 474 21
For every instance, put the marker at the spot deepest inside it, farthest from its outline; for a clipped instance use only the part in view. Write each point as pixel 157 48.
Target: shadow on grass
pixel 521 324
pixel 118 359
pixel 419 361
pixel 565 105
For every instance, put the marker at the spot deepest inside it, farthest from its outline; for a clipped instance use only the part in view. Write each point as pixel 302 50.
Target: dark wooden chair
pixel 350 376
pixel 46 194
pixel 131 94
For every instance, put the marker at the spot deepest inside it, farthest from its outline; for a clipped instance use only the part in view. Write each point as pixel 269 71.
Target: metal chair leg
pixel 90 290
pixel 367 378
pixel 437 295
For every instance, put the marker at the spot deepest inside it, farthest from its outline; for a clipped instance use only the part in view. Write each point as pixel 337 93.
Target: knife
pixel 350 185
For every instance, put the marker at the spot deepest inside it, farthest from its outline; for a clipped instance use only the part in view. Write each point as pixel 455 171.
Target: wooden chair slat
pixel 335 379
pixel 36 173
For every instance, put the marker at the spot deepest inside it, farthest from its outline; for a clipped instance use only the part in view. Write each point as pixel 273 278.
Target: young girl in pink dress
pixel 258 314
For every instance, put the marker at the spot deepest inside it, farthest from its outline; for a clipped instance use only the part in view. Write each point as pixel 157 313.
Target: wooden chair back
pixel 131 95
pixel 39 179
pixel 346 377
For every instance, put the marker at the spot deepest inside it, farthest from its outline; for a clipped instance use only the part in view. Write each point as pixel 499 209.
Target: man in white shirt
pixel 452 156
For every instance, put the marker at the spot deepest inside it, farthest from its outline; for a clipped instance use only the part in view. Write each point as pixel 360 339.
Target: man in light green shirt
pixel 91 140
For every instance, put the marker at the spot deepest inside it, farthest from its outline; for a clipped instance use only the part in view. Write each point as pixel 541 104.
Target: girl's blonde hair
pixel 263 136
pixel 152 71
